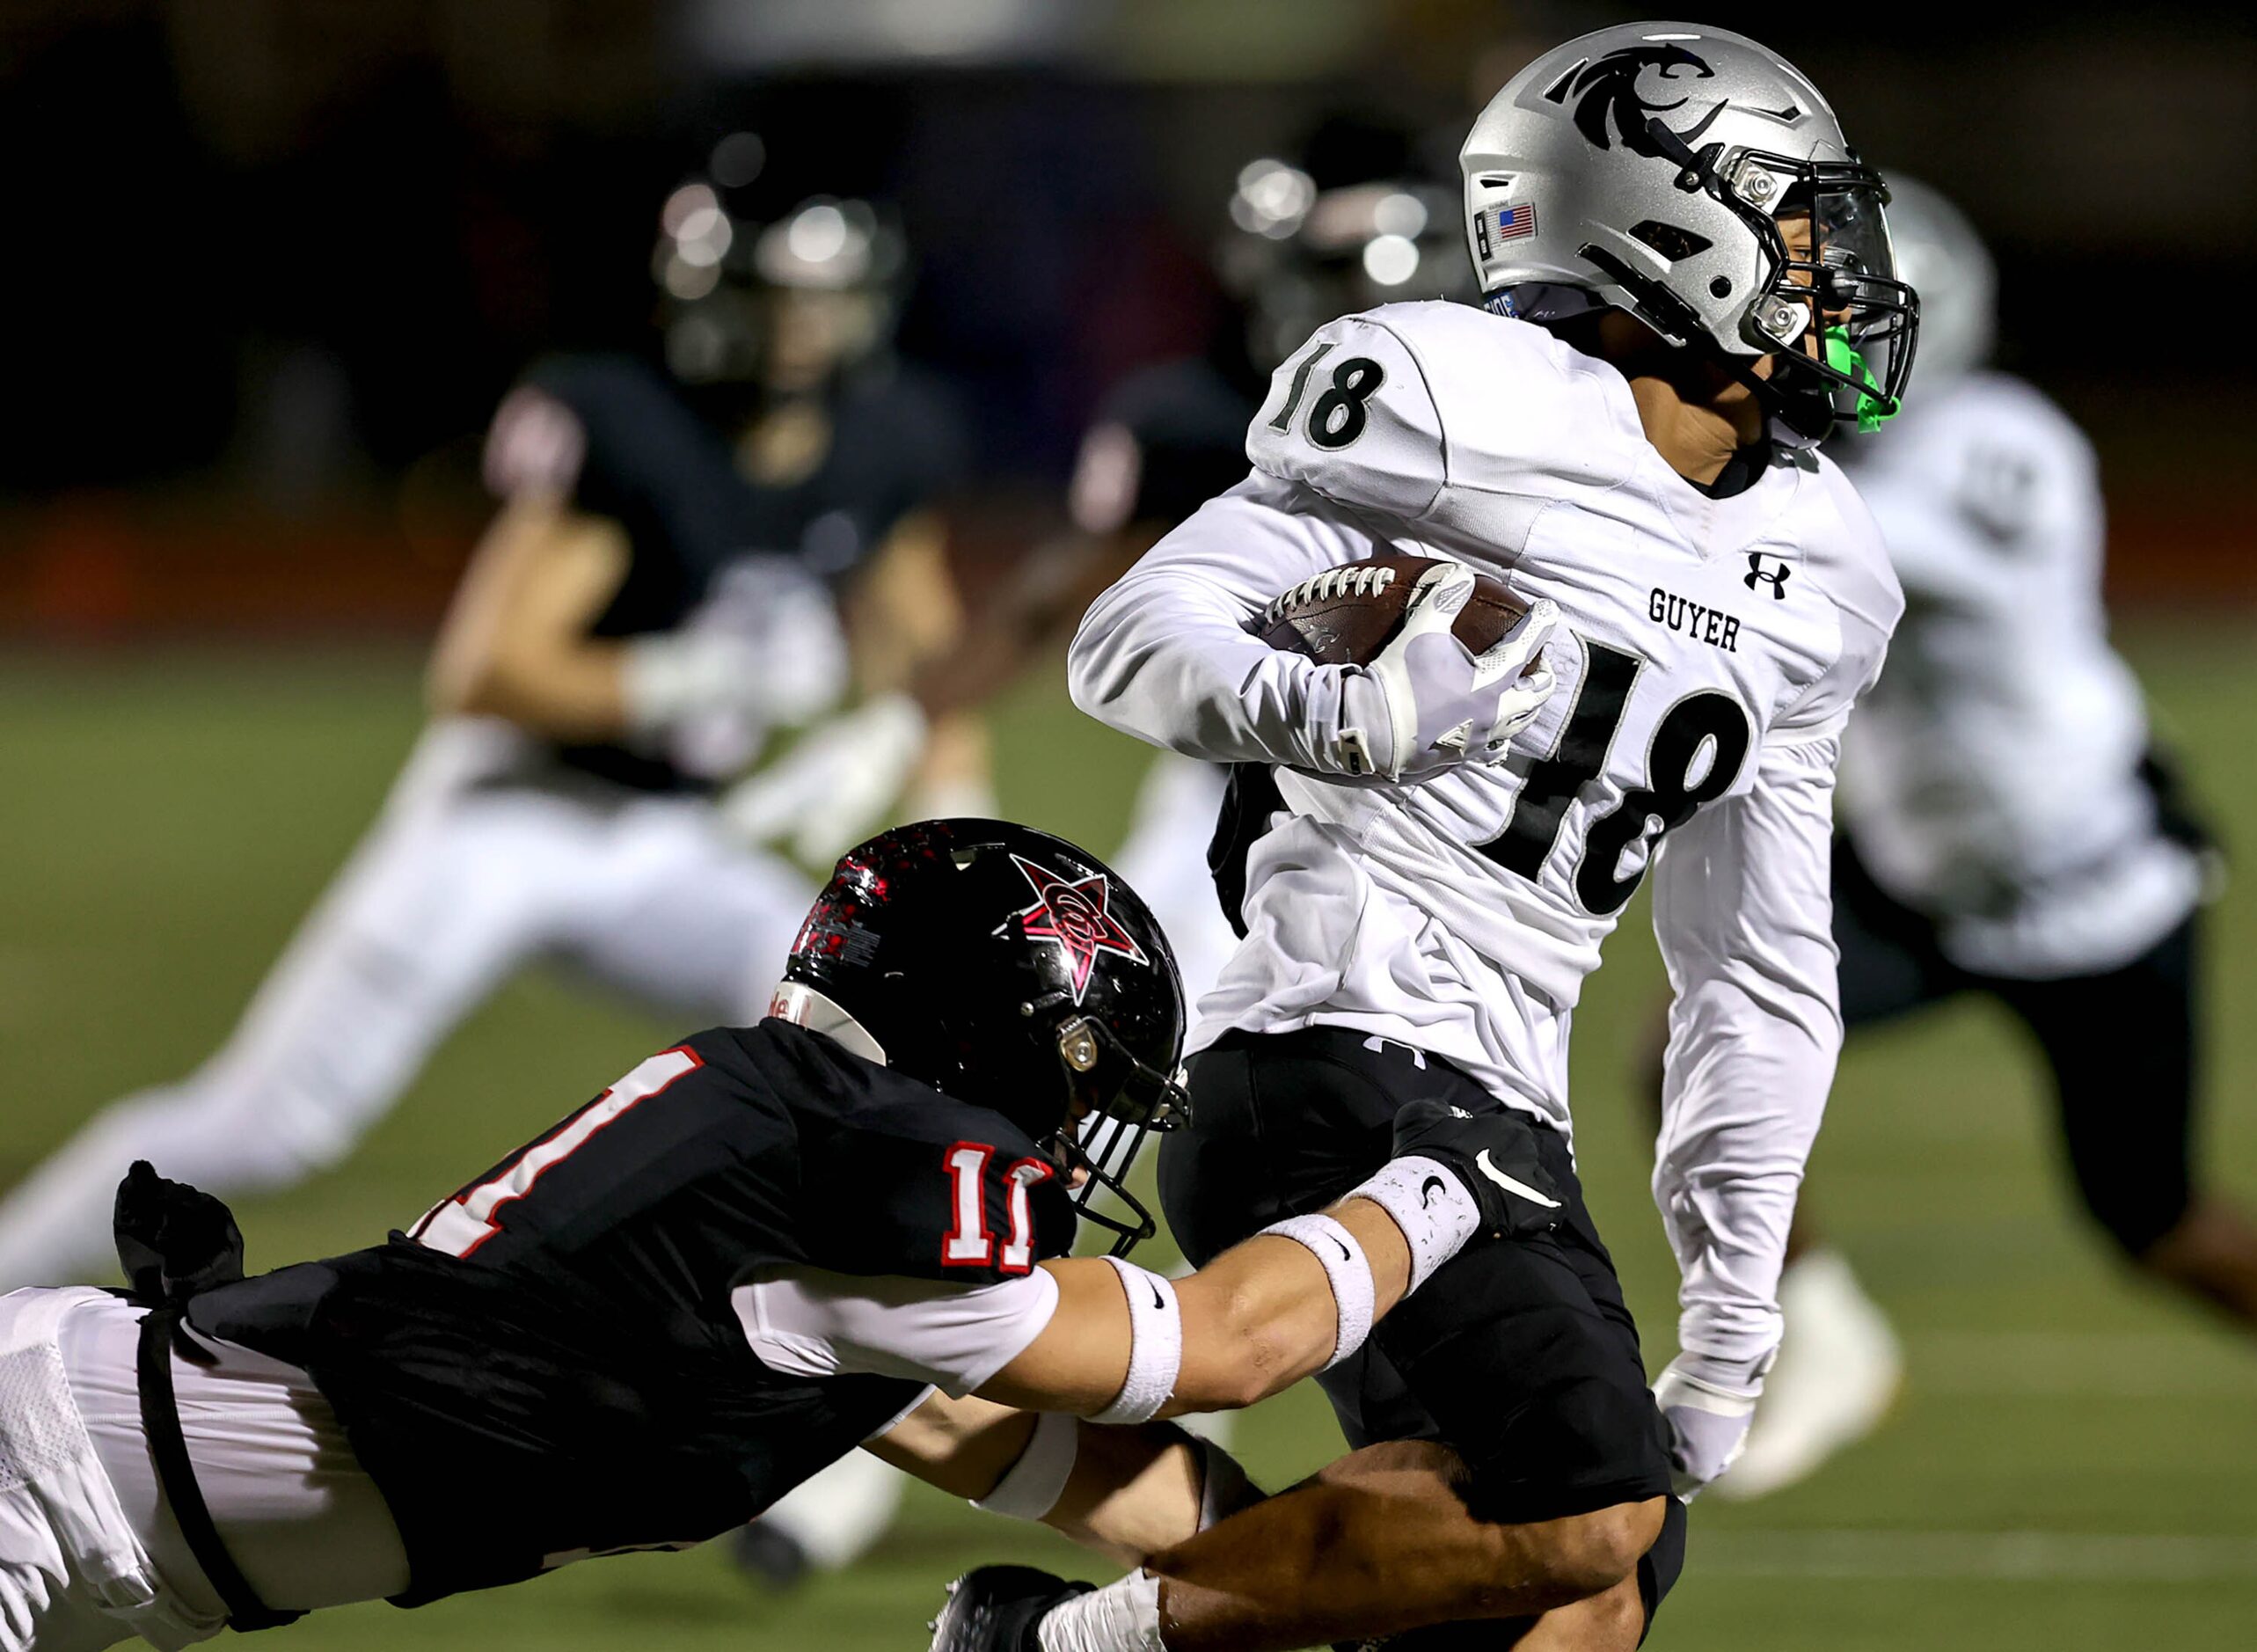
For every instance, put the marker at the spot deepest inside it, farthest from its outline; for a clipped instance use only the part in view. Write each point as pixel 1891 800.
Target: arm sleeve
pixel 1164 655
pixel 1742 909
pixel 806 1322
pixel 1348 452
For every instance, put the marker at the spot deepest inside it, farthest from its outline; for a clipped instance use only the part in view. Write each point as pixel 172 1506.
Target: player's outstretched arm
pixel 514 642
pixel 1125 1345
pixel 1128 1494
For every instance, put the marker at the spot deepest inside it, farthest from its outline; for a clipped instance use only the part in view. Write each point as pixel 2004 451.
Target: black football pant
pixel 1519 1355
pixel 2121 1046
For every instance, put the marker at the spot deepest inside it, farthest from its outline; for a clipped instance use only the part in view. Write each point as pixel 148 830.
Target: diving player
pixel 1689 281
pixel 2006 832
pixel 661 588
pixel 654 596
pixel 761 1247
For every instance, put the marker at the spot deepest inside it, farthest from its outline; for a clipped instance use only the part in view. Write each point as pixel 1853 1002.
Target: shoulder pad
pixel 897 1178
pixel 1350 415
pixel 636 429
pixel 1470 399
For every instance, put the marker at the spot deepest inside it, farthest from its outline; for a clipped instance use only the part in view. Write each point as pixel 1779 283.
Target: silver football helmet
pixel 1646 168
pixel 1939 253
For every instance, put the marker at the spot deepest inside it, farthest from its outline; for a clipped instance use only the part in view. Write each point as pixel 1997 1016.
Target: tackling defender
pixel 2007 831
pixel 1689 282
pixel 663 586
pixel 651 600
pixel 761 1249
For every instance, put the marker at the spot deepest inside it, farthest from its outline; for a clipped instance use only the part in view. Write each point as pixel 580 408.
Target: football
pixel 1345 616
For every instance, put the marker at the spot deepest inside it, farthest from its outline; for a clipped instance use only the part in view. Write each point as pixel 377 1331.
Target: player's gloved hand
pixel 1492 1152
pixel 822 796
pixel 1708 1403
pixel 793 669
pixel 1428 702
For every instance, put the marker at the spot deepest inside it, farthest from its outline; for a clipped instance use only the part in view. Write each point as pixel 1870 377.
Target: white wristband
pixel 1430 1204
pixel 1155 1346
pixel 1030 1488
pixel 1344 1264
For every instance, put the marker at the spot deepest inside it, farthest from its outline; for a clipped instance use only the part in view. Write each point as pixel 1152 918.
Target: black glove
pixel 174 1240
pixel 1492 1152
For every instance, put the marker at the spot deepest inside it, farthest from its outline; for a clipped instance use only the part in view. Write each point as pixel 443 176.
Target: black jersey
pixel 663 467
pixel 1189 419
pixel 551 1365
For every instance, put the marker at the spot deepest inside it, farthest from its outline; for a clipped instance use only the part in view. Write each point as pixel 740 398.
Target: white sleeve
pixel 1347 449
pixel 1352 415
pixel 1164 654
pixel 1742 908
pixel 809 1322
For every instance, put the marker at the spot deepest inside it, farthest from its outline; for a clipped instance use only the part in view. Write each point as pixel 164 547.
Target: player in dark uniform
pixel 761 1249
pixel 661 586
pixel 687 555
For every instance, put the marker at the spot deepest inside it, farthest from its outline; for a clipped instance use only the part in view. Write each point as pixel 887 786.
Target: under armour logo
pixel 1757 574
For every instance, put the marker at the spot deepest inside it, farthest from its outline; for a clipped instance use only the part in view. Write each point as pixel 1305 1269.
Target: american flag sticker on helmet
pixel 1513 222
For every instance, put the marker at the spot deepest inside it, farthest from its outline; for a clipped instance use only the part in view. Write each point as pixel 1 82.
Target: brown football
pixel 1345 616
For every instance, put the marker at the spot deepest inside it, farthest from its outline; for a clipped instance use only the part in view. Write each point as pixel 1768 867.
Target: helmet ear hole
pixel 1672 241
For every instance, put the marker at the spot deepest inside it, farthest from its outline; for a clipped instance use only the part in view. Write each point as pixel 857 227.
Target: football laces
pixel 1329 586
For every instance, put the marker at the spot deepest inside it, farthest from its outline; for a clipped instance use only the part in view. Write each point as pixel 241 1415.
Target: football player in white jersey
pixel 1687 283
pixel 2006 832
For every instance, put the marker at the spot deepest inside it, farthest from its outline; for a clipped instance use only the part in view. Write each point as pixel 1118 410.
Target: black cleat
pixel 995 1609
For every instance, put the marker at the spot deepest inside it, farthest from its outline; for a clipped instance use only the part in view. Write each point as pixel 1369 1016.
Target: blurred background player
pixel 1359 216
pixel 2005 830
pixel 680 558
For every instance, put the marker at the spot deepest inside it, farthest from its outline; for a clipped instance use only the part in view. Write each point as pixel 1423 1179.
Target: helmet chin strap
pixel 803 1006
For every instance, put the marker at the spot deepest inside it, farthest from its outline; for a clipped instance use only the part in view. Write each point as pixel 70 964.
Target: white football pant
pixel 462 881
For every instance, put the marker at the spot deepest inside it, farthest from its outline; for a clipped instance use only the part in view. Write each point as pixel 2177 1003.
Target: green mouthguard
pixel 1874 409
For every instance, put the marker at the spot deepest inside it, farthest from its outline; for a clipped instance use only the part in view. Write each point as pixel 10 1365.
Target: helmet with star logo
pixel 1011 969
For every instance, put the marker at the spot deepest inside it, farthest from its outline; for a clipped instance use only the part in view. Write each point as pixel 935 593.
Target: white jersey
pixel 1708 655
pixel 1993 777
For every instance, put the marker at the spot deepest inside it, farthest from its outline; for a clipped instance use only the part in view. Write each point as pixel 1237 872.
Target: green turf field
pixel 2070 1467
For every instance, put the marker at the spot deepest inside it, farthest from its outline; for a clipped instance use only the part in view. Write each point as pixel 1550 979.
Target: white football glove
pixel 1428 702
pixel 1708 1403
pixel 793 668
pixel 824 795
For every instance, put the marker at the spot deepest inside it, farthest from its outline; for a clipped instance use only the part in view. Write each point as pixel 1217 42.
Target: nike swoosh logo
pixel 1427 1189
pixel 1511 1184
pixel 1160 1301
pixel 1343 1249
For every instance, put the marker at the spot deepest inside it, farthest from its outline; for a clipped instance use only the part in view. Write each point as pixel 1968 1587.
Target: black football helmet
pixel 754 295
pixel 1010 970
